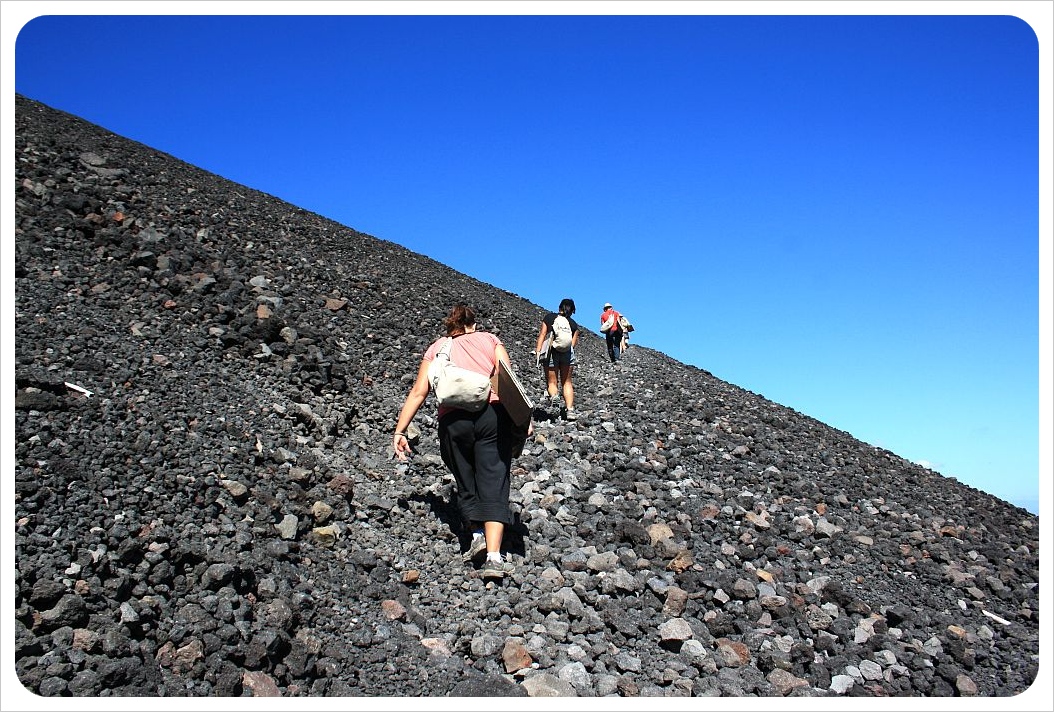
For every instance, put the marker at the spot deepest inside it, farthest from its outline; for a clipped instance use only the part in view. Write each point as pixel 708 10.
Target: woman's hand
pixel 401 446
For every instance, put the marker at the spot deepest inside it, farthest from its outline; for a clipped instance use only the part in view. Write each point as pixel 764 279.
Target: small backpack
pixel 561 333
pixel 457 387
pixel 625 324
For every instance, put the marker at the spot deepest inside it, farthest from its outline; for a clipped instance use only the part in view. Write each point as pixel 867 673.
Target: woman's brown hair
pixel 461 316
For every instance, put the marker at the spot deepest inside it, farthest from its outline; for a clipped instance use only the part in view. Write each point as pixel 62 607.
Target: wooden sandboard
pixel 511 394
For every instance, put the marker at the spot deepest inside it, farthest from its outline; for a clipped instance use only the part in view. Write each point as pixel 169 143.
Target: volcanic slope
pixel 206 504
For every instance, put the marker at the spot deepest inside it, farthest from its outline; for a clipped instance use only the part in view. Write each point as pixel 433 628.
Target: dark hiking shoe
pixel 496 569
pixel 477 548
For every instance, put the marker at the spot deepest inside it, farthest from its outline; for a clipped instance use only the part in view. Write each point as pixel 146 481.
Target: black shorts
pixel 555 359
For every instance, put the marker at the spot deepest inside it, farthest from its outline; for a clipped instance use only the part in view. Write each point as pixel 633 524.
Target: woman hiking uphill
pixel 476 446
pixel 557 338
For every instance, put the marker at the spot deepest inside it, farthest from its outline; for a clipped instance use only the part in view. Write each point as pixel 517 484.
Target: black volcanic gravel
pixel 222 515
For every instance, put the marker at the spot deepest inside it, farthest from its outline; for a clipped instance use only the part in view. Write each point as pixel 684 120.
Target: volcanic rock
pixel 206 503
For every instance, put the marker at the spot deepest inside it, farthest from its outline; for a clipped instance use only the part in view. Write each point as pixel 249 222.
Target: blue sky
pixel 838 212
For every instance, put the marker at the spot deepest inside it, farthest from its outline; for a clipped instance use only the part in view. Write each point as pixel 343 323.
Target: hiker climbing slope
pixel 555 350
pixel 612 330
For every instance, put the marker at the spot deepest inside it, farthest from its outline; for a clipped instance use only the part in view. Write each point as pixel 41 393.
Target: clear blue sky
pixel 840 213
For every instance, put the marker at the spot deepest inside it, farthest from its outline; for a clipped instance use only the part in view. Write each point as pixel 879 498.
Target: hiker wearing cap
pixel 555 351
pixel 612 330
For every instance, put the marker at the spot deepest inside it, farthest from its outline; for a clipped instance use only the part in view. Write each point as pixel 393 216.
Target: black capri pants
pixel 477 447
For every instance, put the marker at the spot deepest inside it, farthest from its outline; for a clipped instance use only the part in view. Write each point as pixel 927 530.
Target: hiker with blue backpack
pixel 555 352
